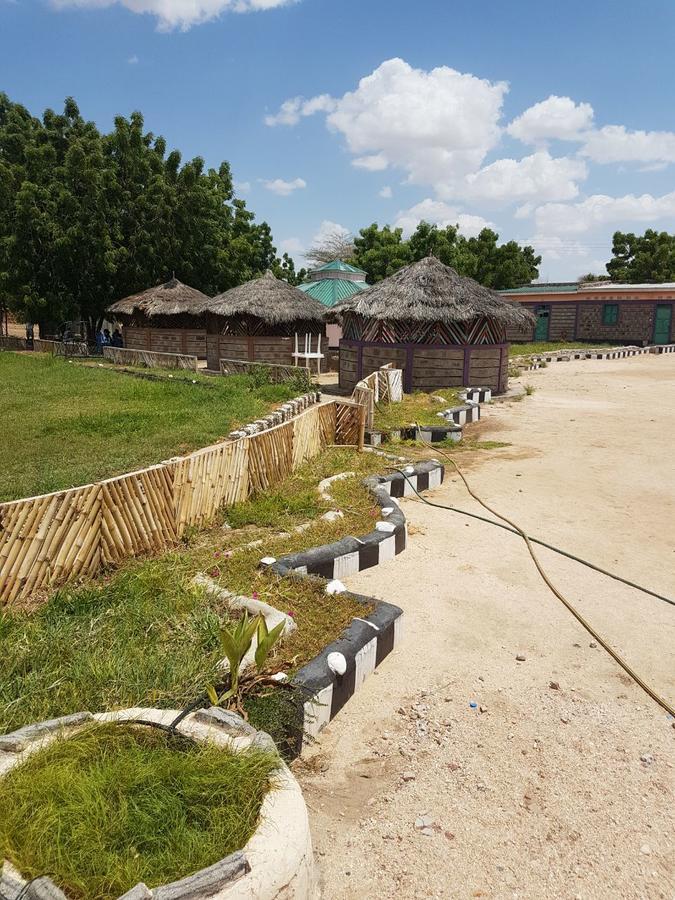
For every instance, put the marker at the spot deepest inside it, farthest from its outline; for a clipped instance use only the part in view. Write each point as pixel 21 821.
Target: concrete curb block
pixel 536 361
pixel 277 860
pixel 331 678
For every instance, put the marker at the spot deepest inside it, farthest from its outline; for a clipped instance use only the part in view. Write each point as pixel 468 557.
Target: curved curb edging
pixel 276 861
pixel 366 641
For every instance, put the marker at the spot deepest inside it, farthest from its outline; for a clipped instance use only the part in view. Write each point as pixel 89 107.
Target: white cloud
pixel 438 213
pixel 386 192
pixel 291 111
pixel 600 209
pixel 556 118
pixel 133 60
pixel 329 229
pixel 181 14
pixel 242 187
pixel 291 245
pixel 437 125
pixel 614 143
pixel 539 177
pixel 284 188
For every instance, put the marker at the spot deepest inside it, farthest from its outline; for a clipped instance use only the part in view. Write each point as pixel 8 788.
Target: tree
pixel 285 268
pixel 647 258
pixel 590 276
pixel 336 244
pixel 381 251
pixel 87 218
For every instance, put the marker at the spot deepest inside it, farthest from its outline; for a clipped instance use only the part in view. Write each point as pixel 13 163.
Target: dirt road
pixel 563 786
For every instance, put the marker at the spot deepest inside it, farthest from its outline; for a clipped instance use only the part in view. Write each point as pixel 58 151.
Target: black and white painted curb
pixel 283 414
pixel 476 394
pixel 537 361
pixel 330 679
pixel 662 348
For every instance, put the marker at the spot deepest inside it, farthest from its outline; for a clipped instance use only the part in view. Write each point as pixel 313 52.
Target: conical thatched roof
pixel 429 291
pixel 170 299
pixel 268 298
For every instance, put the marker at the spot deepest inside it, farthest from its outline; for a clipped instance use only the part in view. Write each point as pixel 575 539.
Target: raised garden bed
pixel 134 811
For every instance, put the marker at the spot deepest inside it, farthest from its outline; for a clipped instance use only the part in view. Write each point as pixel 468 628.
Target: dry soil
pixel 562 786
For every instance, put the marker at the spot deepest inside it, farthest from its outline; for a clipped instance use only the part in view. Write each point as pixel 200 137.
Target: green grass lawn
pixel 114 805
pixel 537 347
pixel 418 407
pixel 66 424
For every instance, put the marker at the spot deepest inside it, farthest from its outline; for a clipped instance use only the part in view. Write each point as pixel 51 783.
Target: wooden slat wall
pixel 48 540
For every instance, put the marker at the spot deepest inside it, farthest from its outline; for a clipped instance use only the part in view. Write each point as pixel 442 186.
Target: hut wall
pixel 255 348
pixel 635 322
pixel 427 367
pixel 166 340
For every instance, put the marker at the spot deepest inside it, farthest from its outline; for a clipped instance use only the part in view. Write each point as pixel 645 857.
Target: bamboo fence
pixel 48 540
pixel 275 372
pixel 124 356
pixel 382 386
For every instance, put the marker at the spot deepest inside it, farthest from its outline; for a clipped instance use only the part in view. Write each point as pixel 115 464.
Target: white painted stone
pixel 384 526
pixel 337 663
pixel 335 586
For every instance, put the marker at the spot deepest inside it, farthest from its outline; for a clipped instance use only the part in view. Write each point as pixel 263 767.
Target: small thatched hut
pixel 443 330
pixel 168 318
pixel 258 321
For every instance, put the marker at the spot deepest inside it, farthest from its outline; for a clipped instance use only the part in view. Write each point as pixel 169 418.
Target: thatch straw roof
pixel 429 291
pixel 268 298
pixel 170 299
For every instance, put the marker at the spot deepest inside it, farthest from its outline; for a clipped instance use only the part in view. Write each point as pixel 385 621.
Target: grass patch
pixel 146 636
pixel 534 348
pixel 113 805
pixel 418 407
pixel 66 424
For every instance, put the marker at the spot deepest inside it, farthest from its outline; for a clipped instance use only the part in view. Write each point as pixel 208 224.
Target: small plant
pixel 530 389
pixel 236 643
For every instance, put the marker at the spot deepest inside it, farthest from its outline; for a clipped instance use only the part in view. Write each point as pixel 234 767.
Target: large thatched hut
pixel 259 320
pixel 442 329
pixel 168 318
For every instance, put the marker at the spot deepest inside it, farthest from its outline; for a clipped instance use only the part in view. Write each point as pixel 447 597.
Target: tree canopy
pixel 87 218
pixel 382 251
pixel 647 258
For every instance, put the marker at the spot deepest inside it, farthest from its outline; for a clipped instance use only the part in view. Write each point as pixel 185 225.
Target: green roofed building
pixel 330 284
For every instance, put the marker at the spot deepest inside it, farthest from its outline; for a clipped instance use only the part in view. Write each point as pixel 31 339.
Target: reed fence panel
pixel 124 356
pixel 275 372
pixel 43 345
pixel 48 540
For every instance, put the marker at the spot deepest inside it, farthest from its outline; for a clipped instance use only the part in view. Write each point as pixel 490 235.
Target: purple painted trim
pixel 413 345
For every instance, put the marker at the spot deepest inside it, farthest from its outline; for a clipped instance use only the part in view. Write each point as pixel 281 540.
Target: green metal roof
pixel 331 290
pixel 548 287
pixel 338 266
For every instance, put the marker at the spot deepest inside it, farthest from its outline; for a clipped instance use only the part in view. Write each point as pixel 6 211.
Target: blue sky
pixel 552 122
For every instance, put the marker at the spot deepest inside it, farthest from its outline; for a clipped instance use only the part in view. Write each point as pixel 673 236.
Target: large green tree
pixel 382 251
pixel 87 218
pixel 647 258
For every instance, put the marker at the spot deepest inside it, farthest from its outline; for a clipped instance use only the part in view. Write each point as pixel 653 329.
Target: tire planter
pixel 276 862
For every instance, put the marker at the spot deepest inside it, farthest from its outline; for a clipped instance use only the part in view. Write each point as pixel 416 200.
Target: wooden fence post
pixel 362 425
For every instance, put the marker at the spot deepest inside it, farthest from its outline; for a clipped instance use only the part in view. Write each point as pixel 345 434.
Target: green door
pixel 662 320
pixel 543 314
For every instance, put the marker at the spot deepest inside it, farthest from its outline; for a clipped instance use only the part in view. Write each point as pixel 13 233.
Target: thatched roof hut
pixel 173 298
pixel 443 329
pixel 429 291
pixel 269 299
pixel 258 321
pixel 168 318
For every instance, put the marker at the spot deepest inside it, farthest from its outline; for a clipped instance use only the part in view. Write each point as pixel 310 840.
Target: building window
pixel 610 313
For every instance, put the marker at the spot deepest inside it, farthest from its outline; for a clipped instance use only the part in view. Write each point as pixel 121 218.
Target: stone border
pixel 537 360
pixel 331 678
pixel 283 414
pixel 455 416
pixel 276 861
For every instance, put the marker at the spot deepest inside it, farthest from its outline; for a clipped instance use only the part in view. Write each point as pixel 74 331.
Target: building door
pixel 543 314
pixel 662 322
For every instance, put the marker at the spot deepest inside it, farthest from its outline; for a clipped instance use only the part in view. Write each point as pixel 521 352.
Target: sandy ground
pixel 563 786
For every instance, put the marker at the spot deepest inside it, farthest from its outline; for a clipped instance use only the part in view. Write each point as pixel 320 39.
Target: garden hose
pixel 664 704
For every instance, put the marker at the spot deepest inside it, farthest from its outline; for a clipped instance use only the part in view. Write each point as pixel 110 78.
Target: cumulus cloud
pixel 132 60
pixel 327 230
pixel 538 177
pixel 284 188
pixel 182 14
pixel 242 187
pixel 556 118
pixel 600 209
pixel 291 111
pixel 386 192
pixel 438 213
pixel 615 143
